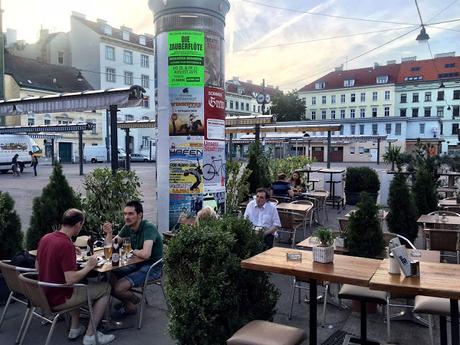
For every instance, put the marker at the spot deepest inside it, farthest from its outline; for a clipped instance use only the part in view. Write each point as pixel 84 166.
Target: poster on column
pixel 183 208
pixel 185 58
pixel 213 62
pixel 214 113
pixel 214 166
pixel 185 165
pixel 187 111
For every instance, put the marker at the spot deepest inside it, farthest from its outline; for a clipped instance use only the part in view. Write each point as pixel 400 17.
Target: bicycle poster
pixel 214 166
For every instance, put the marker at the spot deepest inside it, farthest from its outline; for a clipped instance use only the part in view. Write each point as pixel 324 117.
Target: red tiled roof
pixel 249 89
pixel 427 70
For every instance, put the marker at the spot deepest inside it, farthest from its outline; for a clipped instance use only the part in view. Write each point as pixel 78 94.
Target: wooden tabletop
pixel 316 194
pixel 344 269
pixel 332 171
pixel 308 244
pixel 436 280
pixel 294 207
pixel 448 202
pixel 434 219
pixel 107 267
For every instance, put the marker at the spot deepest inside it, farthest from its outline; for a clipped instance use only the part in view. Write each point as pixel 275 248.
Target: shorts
pixel 136 274
pixel 96 291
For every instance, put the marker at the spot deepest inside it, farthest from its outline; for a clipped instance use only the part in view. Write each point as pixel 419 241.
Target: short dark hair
pixel 281 176
pixel 72 216
pixel 136 204
pixel 263 190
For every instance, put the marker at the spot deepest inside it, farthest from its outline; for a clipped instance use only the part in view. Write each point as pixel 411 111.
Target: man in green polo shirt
pixel 147 243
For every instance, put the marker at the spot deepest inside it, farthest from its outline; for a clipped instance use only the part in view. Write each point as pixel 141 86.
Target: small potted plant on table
pixel 324 252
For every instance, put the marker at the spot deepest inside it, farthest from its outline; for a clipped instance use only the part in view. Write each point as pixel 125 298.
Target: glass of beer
pixel 108 250
pixel 127 246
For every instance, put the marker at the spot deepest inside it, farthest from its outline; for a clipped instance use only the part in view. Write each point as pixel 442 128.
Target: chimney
pixel 101 21
pixel 391 62
pixel 409 58
pixel 442 55
pixel 338 68
pixel 125 28
pixel 376 64
pixel 78 15
pixel 43 34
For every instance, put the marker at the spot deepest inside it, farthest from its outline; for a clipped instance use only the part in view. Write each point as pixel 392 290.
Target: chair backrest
pixel 34 292
pixel 273 201
pixel 287 219
pixel 308 201
pixel 439 239
pixel 343 224
pixel 452 209
pixel 444 212
pixel 11 275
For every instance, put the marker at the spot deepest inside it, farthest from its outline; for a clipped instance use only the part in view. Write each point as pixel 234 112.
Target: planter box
pixel 323 254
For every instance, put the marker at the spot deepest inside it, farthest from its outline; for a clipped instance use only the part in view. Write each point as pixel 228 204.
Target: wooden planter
pixel 323 254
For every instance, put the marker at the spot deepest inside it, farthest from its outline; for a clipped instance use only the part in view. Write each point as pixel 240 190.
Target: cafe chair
pixel 433 306
pixel 444 240
pixel 454 209
pixel 33 290
pixel 289 224
pixel 260 332
pixel 273 201
pixel 343 225
pixel 365 295
pixel 11 275
pixel 306 217
pixel 142 291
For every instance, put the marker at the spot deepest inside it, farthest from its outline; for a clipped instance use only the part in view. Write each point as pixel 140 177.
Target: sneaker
pixel 74 333
pixel 123 312
pixel 101 339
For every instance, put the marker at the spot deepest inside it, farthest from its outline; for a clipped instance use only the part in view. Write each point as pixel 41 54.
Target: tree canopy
pixel 288 107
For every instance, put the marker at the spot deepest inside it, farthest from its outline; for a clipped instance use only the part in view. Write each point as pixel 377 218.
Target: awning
pixel 136 124
pixel 47 128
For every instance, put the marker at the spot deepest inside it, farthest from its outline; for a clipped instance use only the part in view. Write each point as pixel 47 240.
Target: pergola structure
pixel 111 99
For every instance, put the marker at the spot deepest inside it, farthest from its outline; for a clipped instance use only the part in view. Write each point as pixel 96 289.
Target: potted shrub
pixel 361 179
pixel 324 251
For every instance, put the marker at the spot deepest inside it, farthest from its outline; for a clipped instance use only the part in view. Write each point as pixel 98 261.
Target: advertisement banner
pixel 187 111
pixel 185 58
pixel 183 209
pixel 213 62
pixel 185 165
pixel 214 110
pixel 214 166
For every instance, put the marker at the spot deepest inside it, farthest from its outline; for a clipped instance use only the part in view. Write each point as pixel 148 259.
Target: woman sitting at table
pixel 296 183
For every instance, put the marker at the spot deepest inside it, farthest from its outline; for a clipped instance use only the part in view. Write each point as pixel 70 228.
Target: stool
pixel 259 332
pixel 365 295
pixel 313 181
pixel 434 306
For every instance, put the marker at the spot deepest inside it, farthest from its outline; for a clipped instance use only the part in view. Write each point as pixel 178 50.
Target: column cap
pixel 213 8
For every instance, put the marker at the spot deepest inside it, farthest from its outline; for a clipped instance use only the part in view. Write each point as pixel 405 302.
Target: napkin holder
pixel 409 268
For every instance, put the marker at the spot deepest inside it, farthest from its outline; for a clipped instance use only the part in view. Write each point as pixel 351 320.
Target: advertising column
pixel 191 108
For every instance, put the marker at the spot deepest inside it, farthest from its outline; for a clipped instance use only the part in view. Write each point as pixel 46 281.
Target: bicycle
pixel 210 170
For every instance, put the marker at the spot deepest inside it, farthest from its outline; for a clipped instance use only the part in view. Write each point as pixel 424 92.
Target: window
pixel 374 96
pixel 342 98
pixel 108 30
pixel 47 119
pixel 414 78
pixel 382 79
pixel 456 111
pixel 231 104
pixel 259 109
pixel 313 100
pixel 352 97
pixel 374 112
pixel 374 129
pixel 361 150
pixel 146 102
pixel 422 128
pixel 440 96
pixel 94 130
pixel 402 112
pixel 145 81
pixel 323 99
pixel 342 113
pixel 448 75
pixel 415 68
pixel 440 111
pixel 129 117
pixel 323 114
pixel 320 85
pixel 352 150
pixel 332 114
pixel 128 78
pixel 142 40
pixel 427 96
pixel 456 94
pixel 362 112
pixel 145 61
pixel 254 108
pixel 110 53
pixel 427 111
pixel 60 58
pixel 126 35
pixel 398 129
pixel 110 75
pixel 415 97
pixel 352 113
pixel 414 112
pixel 404 98
pixel 348 82
pixel 449 65
pixel 363 97
pixel 352 129
pixel 361 129
pixel 237 105
pixel 341 130
pixel 388 128
pixel 31 120
pixel 128 57
pixel 247 106
pixel 455 128
pixel 333 99
pixel 313 115
pixel 386 111
pixel 387 95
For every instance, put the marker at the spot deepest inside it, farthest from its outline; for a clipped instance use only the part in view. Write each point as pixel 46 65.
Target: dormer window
pixel 320 85
pixel 382 79
pixel 125 35
pixel 108 30
pixel 240 90
pixel 348 82
pixel 142 40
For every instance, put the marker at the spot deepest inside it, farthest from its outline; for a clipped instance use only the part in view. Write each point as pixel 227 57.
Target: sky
pixel 289 43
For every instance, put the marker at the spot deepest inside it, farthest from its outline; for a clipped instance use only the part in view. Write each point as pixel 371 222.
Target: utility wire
pixel 445 8
pixel 418 10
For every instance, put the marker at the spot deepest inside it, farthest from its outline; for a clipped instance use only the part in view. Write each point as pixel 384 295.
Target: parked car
pixel 137 157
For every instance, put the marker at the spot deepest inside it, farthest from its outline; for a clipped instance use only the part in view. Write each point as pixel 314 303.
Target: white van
pixel 96 154
pixel 11 144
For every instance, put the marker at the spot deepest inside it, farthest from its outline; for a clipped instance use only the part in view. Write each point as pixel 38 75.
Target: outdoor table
pixel 439 220
pixel 294 207
pixel 447 202
pixel 308 171
pixel 436 280
pixel 345 269
pixel 451 176
pixel 309 243
pixel 331 183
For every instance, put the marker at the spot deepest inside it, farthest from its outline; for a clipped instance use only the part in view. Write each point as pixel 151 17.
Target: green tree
pixel 10 228
pixel 209 294
pixel 402 218
pixel 287 165
pixel 237 186
pixel 105 197
pixel 393 156
pixel 288 107
pixel 259 165
pixel 48 208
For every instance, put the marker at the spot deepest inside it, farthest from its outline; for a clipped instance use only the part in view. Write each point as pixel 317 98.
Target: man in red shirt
pixel 57 263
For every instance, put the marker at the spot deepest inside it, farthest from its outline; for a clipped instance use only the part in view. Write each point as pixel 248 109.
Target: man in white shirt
pixel 261 213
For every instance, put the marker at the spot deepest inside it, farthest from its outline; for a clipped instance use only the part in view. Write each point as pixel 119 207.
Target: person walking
pixel 15 165
pixel 34 162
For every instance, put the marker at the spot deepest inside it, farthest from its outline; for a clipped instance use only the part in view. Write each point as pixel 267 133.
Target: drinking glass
pixel 108 250
pixel 127 246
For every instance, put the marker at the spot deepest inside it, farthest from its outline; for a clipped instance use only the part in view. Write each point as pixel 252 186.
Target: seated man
pixel 147 244
pixel 57 263
pixel 281 187
pixel 262 213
